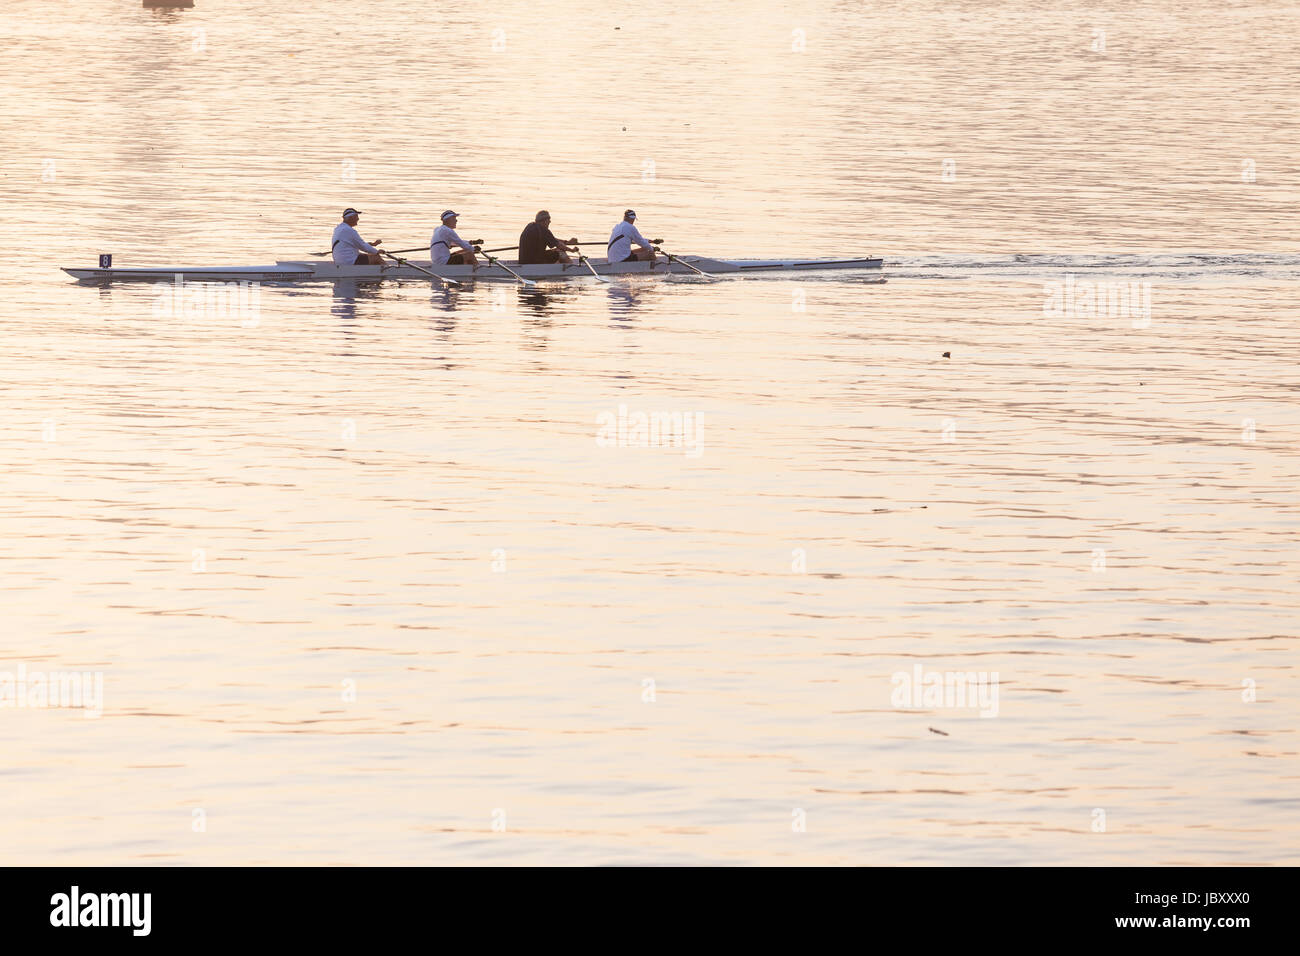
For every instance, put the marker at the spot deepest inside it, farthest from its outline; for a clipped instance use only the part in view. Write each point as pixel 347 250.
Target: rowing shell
pixel 286 271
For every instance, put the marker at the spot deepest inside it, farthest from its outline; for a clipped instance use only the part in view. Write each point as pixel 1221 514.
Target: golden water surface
pixel 363 586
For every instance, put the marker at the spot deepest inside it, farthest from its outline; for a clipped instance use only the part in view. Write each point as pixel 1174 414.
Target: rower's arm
pixel 362 244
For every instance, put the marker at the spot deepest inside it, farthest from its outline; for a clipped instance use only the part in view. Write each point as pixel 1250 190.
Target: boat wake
pixel 1283 267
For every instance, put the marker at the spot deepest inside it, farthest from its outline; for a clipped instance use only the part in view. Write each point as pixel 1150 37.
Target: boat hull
pixel 307 271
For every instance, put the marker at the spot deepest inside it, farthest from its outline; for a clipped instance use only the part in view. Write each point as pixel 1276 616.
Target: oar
pixel 422 248
pixel 479 243
pixel 375 243
pixel 673 258
pixel 494 261
pixel 433 275
pixel 587 262
pixel 585 242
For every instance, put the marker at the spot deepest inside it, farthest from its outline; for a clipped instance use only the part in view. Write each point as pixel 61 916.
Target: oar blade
pixel 526 283
pixel 433 275
pixel 673 258
pixel 592 269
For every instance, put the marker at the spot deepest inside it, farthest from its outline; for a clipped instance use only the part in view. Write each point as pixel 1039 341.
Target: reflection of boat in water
pixel 539 303
pixel 346 294
pixel 626 298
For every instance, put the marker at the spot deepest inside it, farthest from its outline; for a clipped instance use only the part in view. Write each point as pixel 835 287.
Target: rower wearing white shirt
pixel 621 239
pixel 348 248
pixel 444 237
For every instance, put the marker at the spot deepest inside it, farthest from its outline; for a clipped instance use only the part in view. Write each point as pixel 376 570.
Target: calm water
pixel 361 582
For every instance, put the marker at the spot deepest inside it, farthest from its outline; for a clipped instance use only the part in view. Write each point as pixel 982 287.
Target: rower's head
pixel 629 215
pixel 350 216
pixel 449 219
pixel 543 218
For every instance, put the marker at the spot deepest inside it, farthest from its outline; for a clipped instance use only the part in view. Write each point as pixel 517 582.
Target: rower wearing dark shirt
pixel 538 245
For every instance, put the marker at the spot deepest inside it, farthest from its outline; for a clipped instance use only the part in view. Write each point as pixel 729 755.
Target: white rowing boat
pixel 307 271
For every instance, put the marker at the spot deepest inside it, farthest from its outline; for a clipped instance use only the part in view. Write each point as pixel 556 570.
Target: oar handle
pixel 581 242
pixel 422 248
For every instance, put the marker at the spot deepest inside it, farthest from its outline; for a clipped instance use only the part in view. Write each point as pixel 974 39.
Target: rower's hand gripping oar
pixel 433 275
pixel 673 258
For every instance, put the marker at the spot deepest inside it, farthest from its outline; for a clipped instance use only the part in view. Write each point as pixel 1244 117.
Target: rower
pixel 348 248
pixel 444 237
pixel 538 245
pixel 621 239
